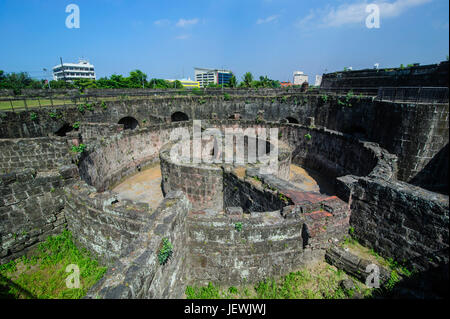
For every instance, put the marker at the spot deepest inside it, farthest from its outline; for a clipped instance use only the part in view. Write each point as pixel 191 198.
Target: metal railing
pixel 413 94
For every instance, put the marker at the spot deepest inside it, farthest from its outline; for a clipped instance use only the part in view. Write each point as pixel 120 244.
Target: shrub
pixel 165 252
pixel 79 149
pixel 81 108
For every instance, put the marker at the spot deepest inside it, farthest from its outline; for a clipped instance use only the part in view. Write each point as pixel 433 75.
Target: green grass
pixel 43 275
pixel 318 282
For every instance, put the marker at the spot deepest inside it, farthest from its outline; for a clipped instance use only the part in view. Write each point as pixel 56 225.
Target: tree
pixel 138 78
pixel 247 80
pixel 233 82
pixel 177 84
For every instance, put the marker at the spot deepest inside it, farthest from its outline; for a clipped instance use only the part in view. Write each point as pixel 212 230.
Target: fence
pixel 413 94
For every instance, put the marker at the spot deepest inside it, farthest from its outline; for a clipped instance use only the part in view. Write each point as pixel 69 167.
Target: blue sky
pixel 266 37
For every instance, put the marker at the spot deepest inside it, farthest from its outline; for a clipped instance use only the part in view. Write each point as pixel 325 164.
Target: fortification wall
pixel 401 221
pixel 425 75
pixel 102 223
pixel 37 153
pixel 416 133
pixel 31 208
pixel 138 273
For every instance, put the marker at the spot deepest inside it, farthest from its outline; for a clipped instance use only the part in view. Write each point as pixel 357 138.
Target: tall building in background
pixel 74 71
pixel 300 78
pixel 214 76
pixel 318 80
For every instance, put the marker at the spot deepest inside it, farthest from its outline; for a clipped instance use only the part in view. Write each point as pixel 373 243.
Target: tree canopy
pixel 136 79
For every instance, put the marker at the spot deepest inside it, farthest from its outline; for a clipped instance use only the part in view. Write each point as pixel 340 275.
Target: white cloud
pixel 183 37
pixel 273 18
pixel 355 13
pixel 184 23
pixel 162 22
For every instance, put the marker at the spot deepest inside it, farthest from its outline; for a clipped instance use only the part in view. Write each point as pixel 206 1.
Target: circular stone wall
pixel 198 170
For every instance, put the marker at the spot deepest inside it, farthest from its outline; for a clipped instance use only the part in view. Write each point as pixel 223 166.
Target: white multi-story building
pixel 207 76
pixel 74 71
pixel 300 78
pixel 318 80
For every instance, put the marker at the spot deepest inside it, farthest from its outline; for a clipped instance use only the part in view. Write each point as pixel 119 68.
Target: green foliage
pixel 78 149
pixel 226 97
pixel 197 91
pixel 76 125
pixel 89 107
pixel 209 292
pixel 53 115
pixel 283 198
pixel 165 251
pixel 308 136
pixel 324 98
pixel 44 276
pixel 103 105
pixel 33 116
pixel 81 108
pixel 238 226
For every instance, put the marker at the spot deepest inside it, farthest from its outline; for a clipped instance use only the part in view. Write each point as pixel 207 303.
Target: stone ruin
pixel 229 223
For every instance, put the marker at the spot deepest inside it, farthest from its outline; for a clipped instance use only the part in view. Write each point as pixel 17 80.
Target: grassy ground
pixel 320 281
pixel 44 275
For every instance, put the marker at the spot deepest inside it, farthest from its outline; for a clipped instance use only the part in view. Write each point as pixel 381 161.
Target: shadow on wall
pixel 430 284
pixel 64 129
pixel 129 123
pixel 7 284
pixel 434 176
pixel 357 131
pixel 179 117
pixel 292 120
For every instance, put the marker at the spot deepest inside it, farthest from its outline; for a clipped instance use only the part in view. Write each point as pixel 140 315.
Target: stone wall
pixel 31 208
pixel 138 273
pixel 401 221
pixel 38 153
pixel 110 160
pixel 102 223
pixel 95 131
pixel 425 75
pixel 416 133
pixel 202 184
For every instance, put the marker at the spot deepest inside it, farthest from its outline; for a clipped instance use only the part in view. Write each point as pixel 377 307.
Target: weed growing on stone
pixel 238 226
pixel 43 275
pixel 76 125
pixel 226 97
pixel 308 136
pixel 165 252
pixel 103 105
pixel 78 149
pixel 81 108
pixel 33 116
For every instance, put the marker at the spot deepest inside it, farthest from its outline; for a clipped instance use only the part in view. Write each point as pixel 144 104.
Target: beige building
pixel 300 78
